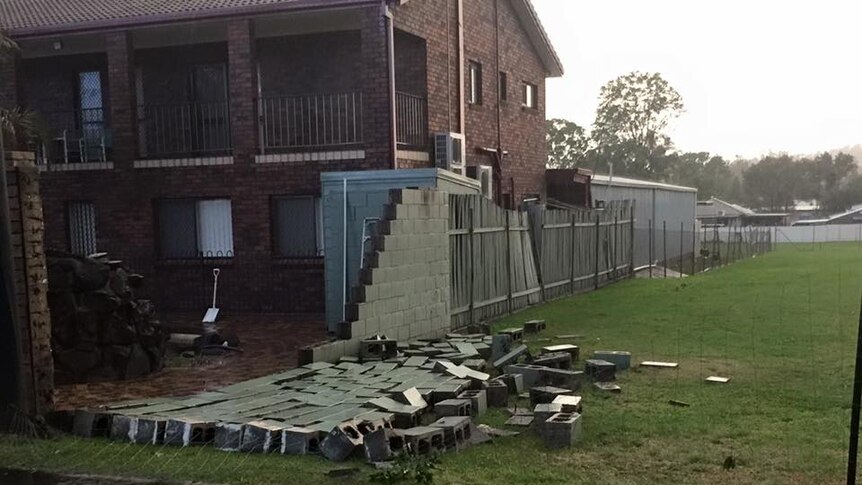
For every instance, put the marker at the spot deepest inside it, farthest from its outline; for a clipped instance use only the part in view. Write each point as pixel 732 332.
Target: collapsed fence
pixel 503 260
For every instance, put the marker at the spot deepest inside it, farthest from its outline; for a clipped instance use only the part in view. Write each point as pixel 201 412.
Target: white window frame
pixel 213 228
pixel 531 95
pixel 475 73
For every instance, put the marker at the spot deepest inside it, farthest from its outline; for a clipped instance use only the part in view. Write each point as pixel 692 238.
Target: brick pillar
pixel 9 81
pixel 376 102
pixel 123 106
pixel 243 90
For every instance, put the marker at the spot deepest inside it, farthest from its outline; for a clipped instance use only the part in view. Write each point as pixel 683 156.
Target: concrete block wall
pixel 30 275
pixel 404 287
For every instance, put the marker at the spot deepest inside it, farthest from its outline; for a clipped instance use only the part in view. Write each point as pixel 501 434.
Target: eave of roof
pixel 605 180
pixel 178 17
pixel 539 37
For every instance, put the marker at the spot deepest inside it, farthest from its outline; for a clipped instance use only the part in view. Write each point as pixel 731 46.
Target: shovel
pixel 212 312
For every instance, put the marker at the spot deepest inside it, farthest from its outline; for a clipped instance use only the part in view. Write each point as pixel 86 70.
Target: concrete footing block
pixel 497 393
pixel 510 358
pixel 557 360
pixel 149 431
pixel 600 370
pixel 570 404
pixel 534 326
pixel 453 407
pixel 514 381
pixel 573 350
pixel 547 394
pixel 228 436
pixel 261 437
pixel 621 359
pixel 377 446
pixel 424 440
pixel 300 441
pixel 537 375
pixel 562 430
pixel 478 400
pixel 91 424
pixel 457 431
pixel 341 442
pixel 541 413
pixel 189 431
pixel 122 427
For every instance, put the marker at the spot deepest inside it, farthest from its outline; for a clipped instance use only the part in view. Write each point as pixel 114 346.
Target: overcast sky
pixel 756 75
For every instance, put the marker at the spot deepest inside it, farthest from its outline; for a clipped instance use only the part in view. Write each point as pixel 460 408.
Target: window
pixel 297 227
pixel 81 221
pixel 91 116
pixel 191 228
pixel 503 86
pixel 531 95
pixel 475 83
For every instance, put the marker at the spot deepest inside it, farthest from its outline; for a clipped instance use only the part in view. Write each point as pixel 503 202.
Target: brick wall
pixel 31 288
pixel 314 63
pixel 122 105
pixel 242 86
pixel 522 130
pixel 404 289
pixel 9 72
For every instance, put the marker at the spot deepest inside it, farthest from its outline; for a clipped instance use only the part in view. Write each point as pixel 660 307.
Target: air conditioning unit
pixel 449 152
pixel 485 175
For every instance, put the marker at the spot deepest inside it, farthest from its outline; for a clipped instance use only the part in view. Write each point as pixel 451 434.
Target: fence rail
pixel 184 129
pixel 307 121
pixel 504 260
pixel 412 119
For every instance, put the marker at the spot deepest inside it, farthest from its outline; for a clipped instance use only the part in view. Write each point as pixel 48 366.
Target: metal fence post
pixel 572 283
pixel 681 244
pixel 597 250
pixel 632 239
pixel 650 247
pixel 664 245
pixel 693 249
pixel 616 242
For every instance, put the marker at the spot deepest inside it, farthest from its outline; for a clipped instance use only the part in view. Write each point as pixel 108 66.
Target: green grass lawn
pixel 782 326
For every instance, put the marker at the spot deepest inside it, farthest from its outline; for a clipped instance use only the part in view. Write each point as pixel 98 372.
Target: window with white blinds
pixel 82 227
pixel 191 228
pixel 297 227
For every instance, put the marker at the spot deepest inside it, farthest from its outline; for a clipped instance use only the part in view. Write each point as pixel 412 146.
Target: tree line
pixel 630 132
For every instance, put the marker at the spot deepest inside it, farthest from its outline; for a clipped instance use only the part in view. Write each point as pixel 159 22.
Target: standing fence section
pixel 720 246
pixel 506 260
pixel 493 269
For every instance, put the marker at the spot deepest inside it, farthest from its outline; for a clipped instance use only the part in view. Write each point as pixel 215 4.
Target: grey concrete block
pixel 228 436
pixel 89 424
pixel 562 430
pixel 570 404
pixel 189 431
pixel 535 375
pixel 261 437
pixel 516 333
pixel 557 360
pixel 534 326
pixel 514 381
pixel 412 397
pixel 497 393
pixel 149 431
pixel 341 442
pixel 541 413
pixel 511 357
pixel 121 428
pixel 621 359
pixel 377 446
pixel 500 346
pixel 453 407
pixel 600 370
pixel 423 440
pixel 457 431
pixel 571 349
pixel 478 400
pixel 546 394
pixel 300 441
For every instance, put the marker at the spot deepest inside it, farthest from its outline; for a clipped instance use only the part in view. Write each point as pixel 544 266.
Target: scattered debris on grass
pixel 680 404
pixel 718 379
pixel 660 365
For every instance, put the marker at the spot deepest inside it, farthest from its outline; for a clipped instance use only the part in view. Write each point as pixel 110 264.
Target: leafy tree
pixel 16 125
pixel 631 122
pixel 774 182
pixel 568 144
pixel 711 175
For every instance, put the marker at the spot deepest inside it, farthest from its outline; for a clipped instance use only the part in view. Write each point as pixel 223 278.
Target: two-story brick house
pixel 191 134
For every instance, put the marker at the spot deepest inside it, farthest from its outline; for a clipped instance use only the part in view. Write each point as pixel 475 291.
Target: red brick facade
pixel 426 64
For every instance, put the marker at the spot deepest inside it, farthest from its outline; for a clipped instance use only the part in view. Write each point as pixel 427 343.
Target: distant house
pixel 852 216
pixel 717 212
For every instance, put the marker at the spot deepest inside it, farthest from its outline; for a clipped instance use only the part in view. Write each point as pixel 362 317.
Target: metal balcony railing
pixel 310 121
pixel 74 136
pixel 412 120
pixel 189 129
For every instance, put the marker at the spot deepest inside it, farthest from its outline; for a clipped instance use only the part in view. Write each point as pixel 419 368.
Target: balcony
pixel 412 120
pixel 74 137
pixel 314 121
pixel 184 130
